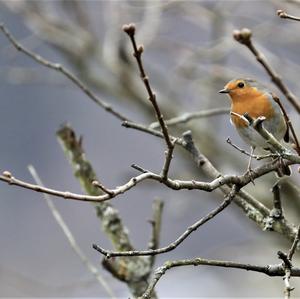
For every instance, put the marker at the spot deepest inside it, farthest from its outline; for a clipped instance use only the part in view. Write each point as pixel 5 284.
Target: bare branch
pixel 59 68
pixel 241 181
pixel 252 207
pixel 155 222
pixel 294 245
pixel 138 50
pixel 287 264
pixel 278 214
pixel 180 239
pixel 148 130
pixel 244 37
pixel 102 187
pixel 186 117
pixel 270 270
pixel 167 163
pixel 283 15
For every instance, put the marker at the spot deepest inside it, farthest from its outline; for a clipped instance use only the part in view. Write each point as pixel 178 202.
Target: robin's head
pixel 241 89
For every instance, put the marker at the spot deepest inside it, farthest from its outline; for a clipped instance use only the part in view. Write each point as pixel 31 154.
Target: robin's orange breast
pixel 255 104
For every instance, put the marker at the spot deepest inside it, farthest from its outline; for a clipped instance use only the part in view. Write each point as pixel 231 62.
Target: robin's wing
pixel 286 136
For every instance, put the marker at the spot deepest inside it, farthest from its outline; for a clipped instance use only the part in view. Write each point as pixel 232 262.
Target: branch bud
pixel 7 174
pixel 141 49
pixel 281 13
pixel 129 29
pixel 242 36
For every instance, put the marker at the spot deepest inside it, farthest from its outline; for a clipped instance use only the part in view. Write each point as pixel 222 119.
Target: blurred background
pixel 189 55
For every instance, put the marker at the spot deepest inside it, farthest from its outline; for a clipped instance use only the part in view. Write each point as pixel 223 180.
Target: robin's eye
pixel 241 84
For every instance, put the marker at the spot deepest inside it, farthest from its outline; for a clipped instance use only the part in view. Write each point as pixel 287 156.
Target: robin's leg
pixel 250 159
pixel 249 169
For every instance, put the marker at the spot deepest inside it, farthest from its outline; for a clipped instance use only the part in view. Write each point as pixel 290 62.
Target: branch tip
pixel 281 13
pixel 284 15
pixel 7 174
pixel 129 29
pixel 138 168
pixel 243 36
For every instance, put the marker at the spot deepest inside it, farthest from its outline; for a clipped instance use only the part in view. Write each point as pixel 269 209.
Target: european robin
pixel 249 98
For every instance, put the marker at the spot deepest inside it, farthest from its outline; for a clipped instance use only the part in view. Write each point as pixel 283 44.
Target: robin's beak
pixel 224 90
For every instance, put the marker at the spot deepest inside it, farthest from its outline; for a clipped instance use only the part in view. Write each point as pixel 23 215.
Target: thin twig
pixel 168 159
pixel 142 128
pixel 283 15
pixel 294 245
pixel 59 68
pixel 138 50
pixel 186 117
pixel 137 53
pixel 180 239
pixel 244 37
pixel 287 264
pixel 228 140
pixel 102 187
pixel 288 288
pixel 155 222
pixel 270 270
pixel 257 157
pixel 241 180
pixel 70 237
pixel 278 212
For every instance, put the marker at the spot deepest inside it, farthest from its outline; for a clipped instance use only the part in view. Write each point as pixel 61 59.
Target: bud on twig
pixel 141 49
pixel 129 29
pixel 7 174
pixel 281 13
pixel 242 36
